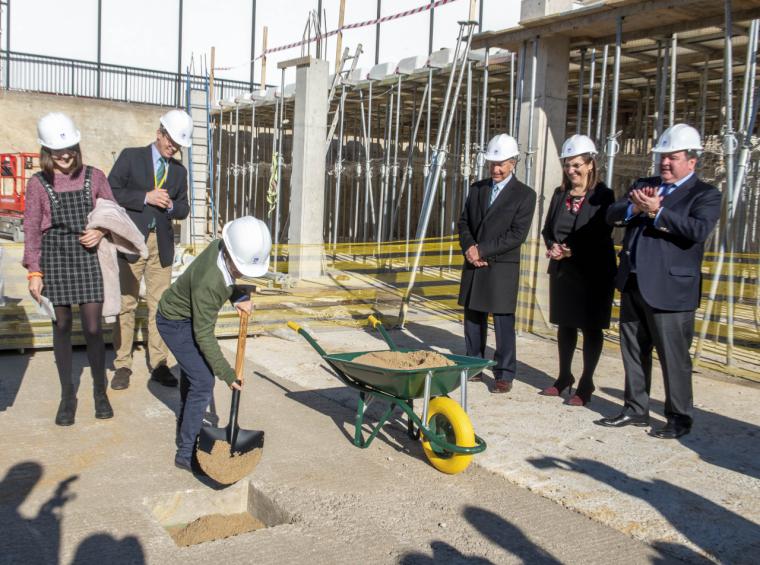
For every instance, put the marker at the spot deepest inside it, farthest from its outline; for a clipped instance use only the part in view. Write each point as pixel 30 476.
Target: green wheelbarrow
pixel 448 439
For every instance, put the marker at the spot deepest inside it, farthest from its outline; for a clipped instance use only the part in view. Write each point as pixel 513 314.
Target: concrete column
pixel 307 189
pixel 549 121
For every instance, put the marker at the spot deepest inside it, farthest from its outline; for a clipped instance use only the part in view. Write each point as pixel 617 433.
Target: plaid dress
pixel 72 272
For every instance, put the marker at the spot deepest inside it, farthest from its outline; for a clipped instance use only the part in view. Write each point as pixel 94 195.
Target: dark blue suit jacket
pixel 131 178
pixel 669 254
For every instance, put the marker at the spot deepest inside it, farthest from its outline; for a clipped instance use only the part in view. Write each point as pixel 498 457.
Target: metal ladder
pixel 198 229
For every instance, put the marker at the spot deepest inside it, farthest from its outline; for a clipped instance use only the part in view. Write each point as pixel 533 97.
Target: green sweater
pixel 198 295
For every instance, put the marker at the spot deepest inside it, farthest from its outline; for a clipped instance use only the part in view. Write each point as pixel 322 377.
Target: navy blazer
pixel 669 254
pixel 131 178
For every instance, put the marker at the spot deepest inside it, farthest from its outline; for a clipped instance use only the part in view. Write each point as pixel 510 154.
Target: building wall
pixel 107 127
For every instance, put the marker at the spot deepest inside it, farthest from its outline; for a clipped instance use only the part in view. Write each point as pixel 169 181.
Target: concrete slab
pixel 91 493
pixel 697 498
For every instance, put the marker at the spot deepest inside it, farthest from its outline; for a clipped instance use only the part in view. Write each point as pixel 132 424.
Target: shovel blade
pixel 209 435
pixel 247 440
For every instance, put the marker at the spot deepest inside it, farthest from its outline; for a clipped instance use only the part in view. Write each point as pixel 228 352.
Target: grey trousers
pixel 642 329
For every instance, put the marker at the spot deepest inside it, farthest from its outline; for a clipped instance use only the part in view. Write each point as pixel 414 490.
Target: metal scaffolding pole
pixel 279 170
pixel 227 170
pixel 530 150
pixel 579 105
pixel 673 78
pixel 338 167
pixel 236 169
pixel 394 166
pixel 512 94
pixel 590 112
pixel 481 156
pixel 466 170
pixel 612 144
pixel 220 125
pixel 439 157
pixel 703 87
pixel 520 88
pixel 602 92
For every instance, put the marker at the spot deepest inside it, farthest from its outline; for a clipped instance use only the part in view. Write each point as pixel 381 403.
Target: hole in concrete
pixel 198 516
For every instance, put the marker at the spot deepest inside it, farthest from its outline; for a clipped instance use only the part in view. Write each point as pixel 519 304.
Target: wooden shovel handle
pixel 240 355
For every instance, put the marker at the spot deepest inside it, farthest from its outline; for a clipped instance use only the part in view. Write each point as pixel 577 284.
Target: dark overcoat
pixel 131 178
pixel 668 250
pixel 499 231
pixel 581 286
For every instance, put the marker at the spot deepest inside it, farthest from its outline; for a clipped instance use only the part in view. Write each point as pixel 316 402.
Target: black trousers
pixel 475 333
pixel 643 328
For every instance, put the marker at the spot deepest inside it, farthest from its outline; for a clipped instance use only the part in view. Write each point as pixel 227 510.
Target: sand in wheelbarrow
pixel 225 469
pixel 213 527
pixel 404 360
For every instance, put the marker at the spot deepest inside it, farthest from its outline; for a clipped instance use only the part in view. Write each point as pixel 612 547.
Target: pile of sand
pixel 226 469
pixel 213 527
pixel 404 360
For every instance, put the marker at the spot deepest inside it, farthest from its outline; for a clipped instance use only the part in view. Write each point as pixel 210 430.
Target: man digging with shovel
pixel 187 314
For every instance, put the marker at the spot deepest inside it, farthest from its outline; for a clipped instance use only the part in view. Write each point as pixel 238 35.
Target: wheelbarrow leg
pixel 411 432
pixel 359 421
pixel 463 389
pixel 426 397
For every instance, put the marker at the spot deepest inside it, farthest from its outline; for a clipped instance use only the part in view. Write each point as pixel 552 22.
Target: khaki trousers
pixel 157 280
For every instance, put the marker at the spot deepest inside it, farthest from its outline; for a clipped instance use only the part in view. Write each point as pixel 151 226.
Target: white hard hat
pixel 179 125
pixel 57 131
pixel 577 145
pixel 501 148
pixel 679 137
pixel 248 243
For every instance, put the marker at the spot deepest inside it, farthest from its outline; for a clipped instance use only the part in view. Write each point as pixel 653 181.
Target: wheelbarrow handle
pixel 377 324
pixel 313 342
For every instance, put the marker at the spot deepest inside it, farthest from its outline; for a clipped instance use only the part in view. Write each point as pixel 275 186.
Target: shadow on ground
pixel 37 539
pixel 701 521
pixel 717 439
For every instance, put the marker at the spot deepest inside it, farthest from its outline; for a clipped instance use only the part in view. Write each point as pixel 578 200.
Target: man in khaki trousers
pixel 152 186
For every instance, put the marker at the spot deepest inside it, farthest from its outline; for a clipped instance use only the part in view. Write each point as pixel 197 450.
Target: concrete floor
pixel 551 488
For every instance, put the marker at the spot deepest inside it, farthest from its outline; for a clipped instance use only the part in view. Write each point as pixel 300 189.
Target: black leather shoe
pixel 120 379
pixel 67 409
pixel 672 430
pixel 184 464
pixel 622 420
pixel 163 375
pixel 103 410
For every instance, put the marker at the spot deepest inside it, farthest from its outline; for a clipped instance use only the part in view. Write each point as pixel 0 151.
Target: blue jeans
pixel 196 382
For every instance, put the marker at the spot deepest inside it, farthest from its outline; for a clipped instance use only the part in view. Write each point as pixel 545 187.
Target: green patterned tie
pixel 159 180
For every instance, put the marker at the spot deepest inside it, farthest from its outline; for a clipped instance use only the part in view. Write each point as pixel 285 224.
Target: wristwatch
pixel 652 215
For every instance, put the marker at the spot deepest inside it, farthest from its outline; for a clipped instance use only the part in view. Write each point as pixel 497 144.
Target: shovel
pixel 241 441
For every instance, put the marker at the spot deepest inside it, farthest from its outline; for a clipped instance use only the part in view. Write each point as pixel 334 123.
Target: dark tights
pixel 593 341
pixel 90 315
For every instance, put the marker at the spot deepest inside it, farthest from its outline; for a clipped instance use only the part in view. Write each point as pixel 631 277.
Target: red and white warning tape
pixel 423 8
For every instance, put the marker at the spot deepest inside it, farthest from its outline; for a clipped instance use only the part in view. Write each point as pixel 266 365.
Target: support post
pixel 179 57
pixel 253 42
pixel 264 57
pixel 100 44
pixel 612 144
pixel 307 197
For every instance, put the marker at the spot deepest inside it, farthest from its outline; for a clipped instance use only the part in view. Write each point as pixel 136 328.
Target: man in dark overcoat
pixel 667 220
pixel 494 224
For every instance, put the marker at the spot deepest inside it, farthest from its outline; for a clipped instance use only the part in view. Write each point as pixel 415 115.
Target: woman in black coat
pixel 581 267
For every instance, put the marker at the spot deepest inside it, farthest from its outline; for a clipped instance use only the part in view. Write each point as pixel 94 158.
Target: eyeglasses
pixel 574 166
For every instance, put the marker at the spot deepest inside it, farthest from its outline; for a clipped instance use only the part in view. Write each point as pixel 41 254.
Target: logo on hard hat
pixel 255 260
pixel 570 149
pixel 666 141
pixel 63 135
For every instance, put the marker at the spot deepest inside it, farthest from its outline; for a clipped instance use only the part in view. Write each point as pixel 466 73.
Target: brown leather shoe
pixel 501 386
pixel 120 379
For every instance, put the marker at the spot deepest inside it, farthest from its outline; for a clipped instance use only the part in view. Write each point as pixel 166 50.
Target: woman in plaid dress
pixel 60 254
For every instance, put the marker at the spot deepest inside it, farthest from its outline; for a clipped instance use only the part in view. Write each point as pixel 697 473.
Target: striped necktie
pixel 159 181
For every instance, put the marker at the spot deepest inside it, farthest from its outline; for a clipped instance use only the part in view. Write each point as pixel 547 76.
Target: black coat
pixel 499 231
pixel 132 178
pixel 669 254
pixel 581 286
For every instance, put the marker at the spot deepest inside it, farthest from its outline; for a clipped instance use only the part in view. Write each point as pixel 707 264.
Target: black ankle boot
pixel 103 409
pixel 66 411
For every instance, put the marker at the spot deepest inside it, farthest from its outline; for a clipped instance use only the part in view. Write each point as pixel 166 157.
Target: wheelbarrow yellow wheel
pixel 449 422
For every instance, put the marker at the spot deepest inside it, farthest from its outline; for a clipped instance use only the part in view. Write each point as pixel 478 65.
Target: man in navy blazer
pixel 494 224
pixel 152 186
pixel 667 220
